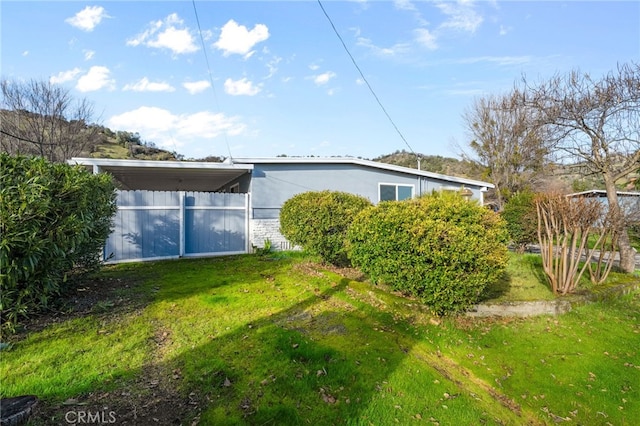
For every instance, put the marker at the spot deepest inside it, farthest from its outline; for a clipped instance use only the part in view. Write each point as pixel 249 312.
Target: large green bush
pixel 522 222
pixel 318 222
pixel 439 248
pixel 54 220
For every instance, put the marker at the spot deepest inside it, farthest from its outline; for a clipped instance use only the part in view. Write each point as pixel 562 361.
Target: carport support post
pixel 182 224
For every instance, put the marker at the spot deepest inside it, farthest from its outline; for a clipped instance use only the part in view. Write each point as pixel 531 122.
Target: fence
pixel 152 225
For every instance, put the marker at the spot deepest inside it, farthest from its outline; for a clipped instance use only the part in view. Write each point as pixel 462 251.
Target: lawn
pixel 280 339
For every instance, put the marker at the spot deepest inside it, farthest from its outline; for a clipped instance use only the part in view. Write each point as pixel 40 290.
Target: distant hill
pixel 127 145
pixel 434 163
pixel 24 131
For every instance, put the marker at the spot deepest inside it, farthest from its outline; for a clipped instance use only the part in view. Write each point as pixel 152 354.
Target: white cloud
pixel 144 85
pixel 323 78
pixel 272 65
pixel 171 131
pixel 241 87
pixel 97 78
pixel 194 87
pixel 461 15
pixel 25 53
pixel 426 38
pixel 88 54
pixel 504 30
pixel 235 38
pixel 404 5
pixel 88 18
pixel 168 34
pixel 500 60
pixel 395 50
pixel 64 76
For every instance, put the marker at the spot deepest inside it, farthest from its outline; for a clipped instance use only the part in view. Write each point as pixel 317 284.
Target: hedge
pixel 440 248
pixel 54 220
pixel 318 222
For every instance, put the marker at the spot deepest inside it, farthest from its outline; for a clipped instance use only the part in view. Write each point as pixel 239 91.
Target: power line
pixel 366 81
pixel 26 140
pixel 206 57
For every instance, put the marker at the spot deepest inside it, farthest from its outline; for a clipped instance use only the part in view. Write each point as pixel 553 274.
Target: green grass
pixel 280 340
pixel 523 280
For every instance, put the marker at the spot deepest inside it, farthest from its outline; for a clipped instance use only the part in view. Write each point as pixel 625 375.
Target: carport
pixel 149 175
pixel 173 209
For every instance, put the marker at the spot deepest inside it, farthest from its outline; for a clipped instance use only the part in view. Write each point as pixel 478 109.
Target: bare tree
pixel 504 142
pixel 595 121
pixel 41 118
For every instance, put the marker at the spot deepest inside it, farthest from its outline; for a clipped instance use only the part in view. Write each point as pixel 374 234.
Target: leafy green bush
pixel 522 222
pixel 318 222
pixel 439 248
pixel 54 220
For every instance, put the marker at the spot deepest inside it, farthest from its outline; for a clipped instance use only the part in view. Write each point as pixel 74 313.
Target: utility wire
pixel 367 81
pixel 206 57
pixel 25 140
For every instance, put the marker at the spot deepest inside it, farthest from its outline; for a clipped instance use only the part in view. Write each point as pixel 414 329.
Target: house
pixel 629 201
pixel 175 208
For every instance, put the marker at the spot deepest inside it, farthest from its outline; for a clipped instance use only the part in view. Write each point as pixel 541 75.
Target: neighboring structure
pixel 266 182
pixel 629 201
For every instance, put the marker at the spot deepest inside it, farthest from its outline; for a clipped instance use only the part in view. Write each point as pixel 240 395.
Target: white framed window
pixel 235 188
pixel 395 191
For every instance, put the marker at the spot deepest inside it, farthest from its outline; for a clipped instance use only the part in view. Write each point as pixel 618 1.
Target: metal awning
pixel 166 175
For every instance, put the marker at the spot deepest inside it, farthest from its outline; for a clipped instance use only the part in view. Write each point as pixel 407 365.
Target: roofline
pixel 108 162
pixel 603 192
pixel 361 162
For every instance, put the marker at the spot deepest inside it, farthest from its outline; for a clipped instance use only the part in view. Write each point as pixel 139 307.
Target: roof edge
pixel 110 162
pixel 603 192
pixel 361 162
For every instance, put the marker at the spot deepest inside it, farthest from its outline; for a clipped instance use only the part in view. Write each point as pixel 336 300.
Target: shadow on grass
pixel 300 365
pixel 497 289
pixel 314 358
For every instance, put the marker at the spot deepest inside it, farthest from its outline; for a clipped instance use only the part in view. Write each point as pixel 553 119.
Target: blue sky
pixel 278 80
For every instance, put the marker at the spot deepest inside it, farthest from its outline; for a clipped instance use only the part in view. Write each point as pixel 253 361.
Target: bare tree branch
pixel 41 118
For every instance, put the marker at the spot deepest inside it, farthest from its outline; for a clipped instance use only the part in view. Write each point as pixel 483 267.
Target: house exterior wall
pixel 273 184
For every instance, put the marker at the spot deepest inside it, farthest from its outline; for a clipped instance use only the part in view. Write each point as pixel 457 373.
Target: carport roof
pixel 166 175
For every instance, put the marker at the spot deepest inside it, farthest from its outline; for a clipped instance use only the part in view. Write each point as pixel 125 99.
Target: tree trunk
pixel 625 250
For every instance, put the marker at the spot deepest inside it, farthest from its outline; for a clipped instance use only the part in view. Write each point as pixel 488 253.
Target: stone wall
pixel 550 307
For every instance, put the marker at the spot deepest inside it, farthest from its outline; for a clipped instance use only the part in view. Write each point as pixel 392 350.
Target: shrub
pixel 318 222
pixel 522 223
pixel 439 248
pixel 54 220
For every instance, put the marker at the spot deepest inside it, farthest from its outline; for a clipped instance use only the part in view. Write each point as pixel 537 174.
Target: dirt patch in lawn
pixel 152 397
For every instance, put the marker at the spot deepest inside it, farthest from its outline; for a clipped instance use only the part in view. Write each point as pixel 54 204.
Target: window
pixel 394 192
pixel 235 188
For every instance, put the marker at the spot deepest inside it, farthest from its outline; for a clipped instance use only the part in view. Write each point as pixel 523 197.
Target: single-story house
pixel 178 208
pixel 629 201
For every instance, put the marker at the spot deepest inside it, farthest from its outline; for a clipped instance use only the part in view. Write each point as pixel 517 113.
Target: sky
pixel 267 78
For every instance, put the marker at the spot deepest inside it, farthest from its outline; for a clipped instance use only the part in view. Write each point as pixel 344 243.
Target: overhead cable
pixel 206 57
pixel 366 81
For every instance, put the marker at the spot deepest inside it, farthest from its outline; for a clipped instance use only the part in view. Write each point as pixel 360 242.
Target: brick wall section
pixel 263 229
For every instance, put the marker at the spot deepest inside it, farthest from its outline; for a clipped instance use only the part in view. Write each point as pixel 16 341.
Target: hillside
pixel 434 163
